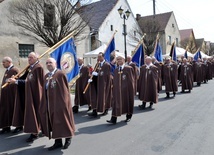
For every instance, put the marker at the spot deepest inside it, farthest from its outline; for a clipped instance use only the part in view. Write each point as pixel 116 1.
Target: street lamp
pixel 124 16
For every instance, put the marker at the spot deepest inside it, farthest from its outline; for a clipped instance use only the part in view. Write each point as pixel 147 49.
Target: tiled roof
pixel 162 19
pixel 185 34
pixel 96 13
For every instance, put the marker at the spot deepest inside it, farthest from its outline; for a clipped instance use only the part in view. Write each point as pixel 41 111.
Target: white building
pixel 104 19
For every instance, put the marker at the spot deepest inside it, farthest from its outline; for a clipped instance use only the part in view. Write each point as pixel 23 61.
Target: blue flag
pixel 173 52
pixel 197 55
pixel 158 53
pixel 185 55
pixel 65 56
pixel 109 50
pixel 138 57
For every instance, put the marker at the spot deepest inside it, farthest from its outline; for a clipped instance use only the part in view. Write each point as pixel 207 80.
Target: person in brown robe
pixel 148 82
pixel 103 82
pixel 80 98
pixel 56 114
pixel 136 71
pixel 170 73
pixel 198 72
pixel 33 95
pixel 7 99
pixel 186 76
pixel 123 91
pixel 159 66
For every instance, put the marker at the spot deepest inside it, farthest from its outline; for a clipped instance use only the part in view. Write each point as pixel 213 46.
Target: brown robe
pixel 80 98
pixel 33 96
pixel 159 66
pixel 56 108
pixel 198 71
pixel 148 81
pixel 103 82
pixel 186 76
pixel 19 107
pixel 136 74
pixel 123 91
pixel 170 73
pixel 7 99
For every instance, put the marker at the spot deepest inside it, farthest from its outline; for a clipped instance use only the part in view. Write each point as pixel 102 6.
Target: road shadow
pixel 100 128
pixel 38 151
pixel 11 142
pixel 138 110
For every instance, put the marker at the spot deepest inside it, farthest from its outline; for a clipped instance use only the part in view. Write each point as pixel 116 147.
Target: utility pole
pixel 154 7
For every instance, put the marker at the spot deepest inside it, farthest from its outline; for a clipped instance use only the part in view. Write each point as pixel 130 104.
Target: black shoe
pixel 128 117
pixel 89 108
pixel 182 91
pixel 105 112
pixel 113 120
pixel 143 106
pixel 5 130
pixel 75 109
pixel 32 138
pixel 93 113
pixel 57 145
pixel 189 91
pixel 151 105
pixel 174 93
pixel 67 143
pixel 18 129
pixel 167 96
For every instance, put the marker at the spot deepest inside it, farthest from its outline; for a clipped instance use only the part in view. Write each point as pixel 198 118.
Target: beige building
pixel 167 28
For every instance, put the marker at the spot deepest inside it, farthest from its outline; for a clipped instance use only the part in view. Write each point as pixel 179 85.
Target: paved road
pixel 179 126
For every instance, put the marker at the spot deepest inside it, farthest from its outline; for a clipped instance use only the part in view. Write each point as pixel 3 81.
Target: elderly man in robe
pixel 8 95
pixel 56 114
pixel 148 82
pixel 170 75
pixel 33 95
pixel 186 76
pixel 123 91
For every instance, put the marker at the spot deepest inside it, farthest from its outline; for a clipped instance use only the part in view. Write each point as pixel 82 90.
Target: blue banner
pixel 65 56
pixel 158 53
pixel 138 57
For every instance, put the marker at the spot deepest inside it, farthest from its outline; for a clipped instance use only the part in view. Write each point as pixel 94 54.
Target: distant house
pixel 104 19
pixel 166 26
pixel 188 39
pixel 202 44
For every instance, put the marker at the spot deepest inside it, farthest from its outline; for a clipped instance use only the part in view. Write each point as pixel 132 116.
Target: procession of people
pixel 39 103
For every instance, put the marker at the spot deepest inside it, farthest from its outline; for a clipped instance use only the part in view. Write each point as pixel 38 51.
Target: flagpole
pixel 50 50
pixel 139 43
pixel 156 42
pixel 97 64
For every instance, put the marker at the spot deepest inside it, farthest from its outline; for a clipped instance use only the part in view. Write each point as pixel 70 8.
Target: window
pixel 49 15
pixel 169 40
pixel 173 25
pixel 135 33
pixel 25 49
pixel 176 41
pixel 112 29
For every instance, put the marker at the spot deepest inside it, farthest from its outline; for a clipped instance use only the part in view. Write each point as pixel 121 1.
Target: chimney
pixel 138 16
pixel 78 5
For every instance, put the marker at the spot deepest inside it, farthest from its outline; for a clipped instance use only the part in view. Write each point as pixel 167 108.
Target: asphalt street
pixel 178 126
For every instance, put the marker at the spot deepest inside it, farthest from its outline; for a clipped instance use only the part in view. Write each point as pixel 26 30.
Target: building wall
pixel 10 37
pixel 114 19
pixel 173 32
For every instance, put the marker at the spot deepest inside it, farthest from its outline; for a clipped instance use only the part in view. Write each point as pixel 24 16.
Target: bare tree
pixel 151 28
pixel 190 43
pixel 48 21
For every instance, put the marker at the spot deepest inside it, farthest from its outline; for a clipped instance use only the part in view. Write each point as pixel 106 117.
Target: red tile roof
pixel 185 34
pixel 162 19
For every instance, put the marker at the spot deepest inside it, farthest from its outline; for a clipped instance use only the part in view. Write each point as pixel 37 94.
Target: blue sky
pixel 196 14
